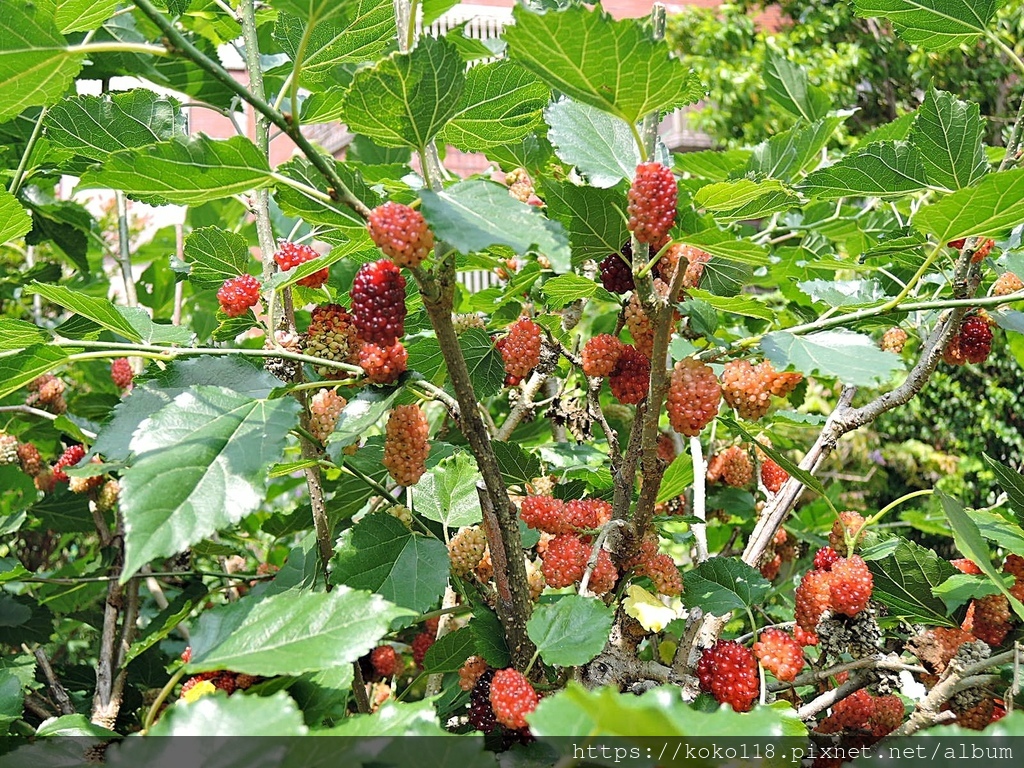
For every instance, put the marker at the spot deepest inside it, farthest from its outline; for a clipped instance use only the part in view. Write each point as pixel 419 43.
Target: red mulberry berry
pixel 384 660
pixel 616 272
pixel 401 232
pixel 604 575
pixel 804 637
pixel 238 294
pixel 693 397
pixel 545 513
pixel 813 598
pixel 121 373
pixel 383 365
pixel 47 392
pixel 69 458
pixel 632 376
pixel 521 350
pixel 773 476
pixel 378 302
pixel 746 389
pixel 850 714
pixel 988 618
pixel 652 203
pixel 405 444
pixel 851 585
pixel 975 339
pixel 695 261
pixel 466 549
pixel 728 671
pixel 332 336
pixel 565 560
pixel 324 409
pixel 587 514
pixel 983 249
pixel 600 354
pixel 780 654
pixel 825 558
pixel 1006 284
pixel 512 698
pixel 421 644
pixel 291 255
pixel 957 244
pixel 736 468
pixel 964 565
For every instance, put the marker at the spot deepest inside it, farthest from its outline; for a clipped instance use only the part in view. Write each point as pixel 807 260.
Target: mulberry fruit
pixel 663 573
pixel 847 525
pixel 850 586
pixel 69 458
pixel 512 698
pixel 893 340
pixel 8 450
pixel 384 660
pixel 652 203
pixel 30 460
pixel 616 272
pixel 466 550
pixel 982 249
pixel 332 336
pixel 378 302
pixel 780 654
pixel 825 558
pixel 521 350
pixel 470 672
pixel 728 671
pixel 813 598
pixel 290 255
pixel 565 560
pixel 640 326
pixel 964 565
pixel 545 513
pixel 632 376
pixel 693 397
pixel 600 354
pixel 121 373
pixel 47 392
pixel 1006 284
pixel 383 365
pixel 420 645
pixel 324 409
pixel 401 233
pixel 463 323
pixel 988 619
pixel 975 339
pixel 746 389
pixel 481 714
pixel 587 514
pixel 238 294
pixel 773 476
pixel 405 444
pixel 737 469
pixel 107 498
pixel 604 575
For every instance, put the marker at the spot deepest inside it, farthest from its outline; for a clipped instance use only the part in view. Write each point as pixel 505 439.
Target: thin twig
pixel 700 471
pixel 30 411
pixel 595 552
pixel 58 691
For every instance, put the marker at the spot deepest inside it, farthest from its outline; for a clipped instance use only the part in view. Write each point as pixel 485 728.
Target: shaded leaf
pixel 936 25
pixel 1011 482
pixel 450 652
pixel 904 580
pixel 381 555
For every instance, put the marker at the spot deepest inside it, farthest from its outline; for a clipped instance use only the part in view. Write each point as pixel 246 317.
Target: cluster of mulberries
pixel 972 342
pixel 749 388
pixel 405 444
pixel 865 717
pixel 565 560
pixel 238 294
pixel 640 326
pixel 660 568
pixel 207 682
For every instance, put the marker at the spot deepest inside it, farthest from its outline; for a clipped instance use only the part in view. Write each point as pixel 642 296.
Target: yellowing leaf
pixel 652 614
pixel 197 691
